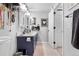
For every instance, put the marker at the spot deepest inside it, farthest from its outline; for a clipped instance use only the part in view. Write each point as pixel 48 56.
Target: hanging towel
pixel 75 29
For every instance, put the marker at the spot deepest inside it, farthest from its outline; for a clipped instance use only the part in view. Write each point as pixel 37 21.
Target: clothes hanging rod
pixel 73 6
pixel 72 12
pixel 69 15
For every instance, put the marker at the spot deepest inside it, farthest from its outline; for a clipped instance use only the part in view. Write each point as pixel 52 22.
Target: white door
pixel 58 22
pixel 55 21
pixel 50 28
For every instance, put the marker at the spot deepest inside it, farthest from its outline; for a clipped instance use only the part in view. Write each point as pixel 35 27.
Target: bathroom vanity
pixel 27 42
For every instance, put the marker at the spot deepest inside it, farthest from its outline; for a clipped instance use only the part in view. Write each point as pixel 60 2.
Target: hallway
pixel 44 49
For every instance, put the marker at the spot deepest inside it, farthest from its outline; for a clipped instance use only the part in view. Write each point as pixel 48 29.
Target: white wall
pixel 43 30
pixel 21 15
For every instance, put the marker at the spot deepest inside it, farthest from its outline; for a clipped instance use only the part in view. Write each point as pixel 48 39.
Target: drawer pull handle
pixel 28 39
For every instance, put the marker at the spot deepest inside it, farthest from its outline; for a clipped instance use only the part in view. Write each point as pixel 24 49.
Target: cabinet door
pixel 21 43
pixel 30 45
pixel 30 42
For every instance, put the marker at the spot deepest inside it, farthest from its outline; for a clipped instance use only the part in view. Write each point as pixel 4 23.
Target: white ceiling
pixel 40 7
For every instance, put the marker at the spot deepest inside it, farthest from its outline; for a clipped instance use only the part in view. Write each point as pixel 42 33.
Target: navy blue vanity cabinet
pixel 24 44
pixel 28 46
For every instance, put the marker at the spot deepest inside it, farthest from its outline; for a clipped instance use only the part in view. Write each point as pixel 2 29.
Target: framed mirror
pixel 33 21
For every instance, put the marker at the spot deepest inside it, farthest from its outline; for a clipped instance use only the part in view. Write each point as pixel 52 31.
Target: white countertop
pixel 33 33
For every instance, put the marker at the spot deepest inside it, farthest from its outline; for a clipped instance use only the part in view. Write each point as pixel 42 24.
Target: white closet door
pixel 59 28
pixel 50 28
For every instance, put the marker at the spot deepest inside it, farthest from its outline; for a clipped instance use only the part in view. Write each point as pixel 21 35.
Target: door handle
pixel 54 27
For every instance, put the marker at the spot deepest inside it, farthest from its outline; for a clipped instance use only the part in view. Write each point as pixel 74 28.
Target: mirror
pixel 33 21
